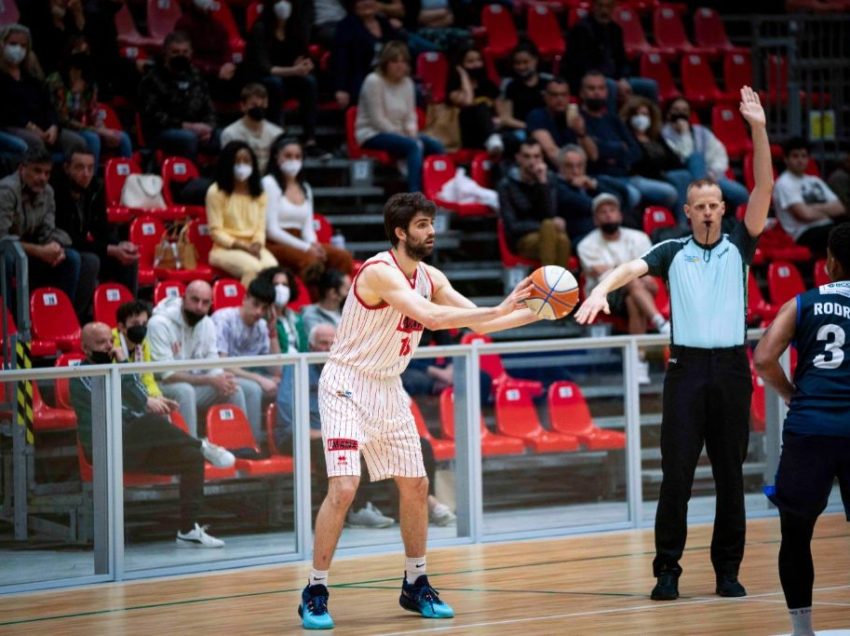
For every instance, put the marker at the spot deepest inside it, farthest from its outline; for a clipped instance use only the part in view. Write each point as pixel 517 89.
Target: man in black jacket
pixel 529 208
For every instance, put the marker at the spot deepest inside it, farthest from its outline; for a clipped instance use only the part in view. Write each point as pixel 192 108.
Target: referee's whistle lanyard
pixel 706 247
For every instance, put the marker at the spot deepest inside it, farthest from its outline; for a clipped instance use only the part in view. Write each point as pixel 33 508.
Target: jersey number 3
pixel 405 346
pixel 833 354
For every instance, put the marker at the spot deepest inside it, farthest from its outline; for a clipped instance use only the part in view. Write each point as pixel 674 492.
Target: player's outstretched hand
pixel 591 307
pixel 514 300
pixel 751 108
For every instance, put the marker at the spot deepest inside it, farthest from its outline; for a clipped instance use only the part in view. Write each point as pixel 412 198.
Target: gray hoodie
pixel 172 339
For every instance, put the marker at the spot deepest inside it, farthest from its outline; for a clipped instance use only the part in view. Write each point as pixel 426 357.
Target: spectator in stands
pixel 151 444
pixel 286 326
pixel 607 247
pixel 81 213
pixel 28 211
pixel 290 231
pixel 253 128
pixel 211 48
pixel 386 115
pixel 236 215
pixel 595 43
pixel 176 110
pixel 114 73
pixel 278 57
pixel 75 100
pixel 524 91
pixel 242 331
pixel 327 14
pixel 839 181
pixel 469 88
pixel 557 123
pixel 529 209
pixel 55 24
pixel 333 288
pixel 433 21
pixel 658 173
pixel 356 43
pixel 703 154
pixel 180 329
pixel 26 110
pixel 130 341
pixel 805 206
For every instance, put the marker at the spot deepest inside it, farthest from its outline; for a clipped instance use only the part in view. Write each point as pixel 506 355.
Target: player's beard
pixel 419 251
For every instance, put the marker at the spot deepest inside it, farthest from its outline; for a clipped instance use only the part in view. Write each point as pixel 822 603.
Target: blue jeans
pixel 640 85
pixel 125 148
pixel 305 89
pixel 185 143
pixel 12 147
pixel 412 150
pixel 624 186
pixel 655 192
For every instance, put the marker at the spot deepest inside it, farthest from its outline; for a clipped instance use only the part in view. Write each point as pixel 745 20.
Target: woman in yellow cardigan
pixel 236 215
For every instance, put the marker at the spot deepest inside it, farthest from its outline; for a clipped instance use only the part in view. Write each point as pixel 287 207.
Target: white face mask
pixel 283 9
pixel 14 53
pixel 290 167
pixel 205 5
pixel 640 122
pixel 242 171
pixel 281 295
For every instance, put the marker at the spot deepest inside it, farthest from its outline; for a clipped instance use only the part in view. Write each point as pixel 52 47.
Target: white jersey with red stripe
pixel 378 340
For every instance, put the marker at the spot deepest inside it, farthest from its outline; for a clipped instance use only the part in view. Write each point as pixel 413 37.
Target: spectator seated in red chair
pixel 287 333
pixel 474 94
pixel 253 127
pixel 130 338
pixel 151 444
pixel 806 207
pixel 523 92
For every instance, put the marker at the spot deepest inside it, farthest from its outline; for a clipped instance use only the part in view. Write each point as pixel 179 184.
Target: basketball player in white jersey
pixel 363 406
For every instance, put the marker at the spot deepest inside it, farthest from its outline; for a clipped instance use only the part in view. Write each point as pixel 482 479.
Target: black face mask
pixel 101 357
pixel 192 318
pixel 594 105
pixel 83 62
pixel 477 74
pixel 180 64
pixel 609 228
pixel 674 117
pixel 257 113
pixel 137 333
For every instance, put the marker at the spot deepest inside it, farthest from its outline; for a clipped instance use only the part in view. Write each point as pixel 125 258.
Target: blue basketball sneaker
pixel 313 609
pixel 423 599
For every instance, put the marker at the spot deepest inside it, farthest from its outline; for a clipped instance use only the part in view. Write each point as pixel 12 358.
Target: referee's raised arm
pixel 759 203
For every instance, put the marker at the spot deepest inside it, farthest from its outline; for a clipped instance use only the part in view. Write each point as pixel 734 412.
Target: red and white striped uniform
pixel 361 400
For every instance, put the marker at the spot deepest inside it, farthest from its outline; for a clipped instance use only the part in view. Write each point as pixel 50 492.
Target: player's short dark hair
pixel 262 289
pixel 839 246
pixel 795 143
pixel 400 210
pixel 132 308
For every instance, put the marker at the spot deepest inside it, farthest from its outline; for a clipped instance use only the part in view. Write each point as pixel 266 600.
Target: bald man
pixel 180 329
pixel 151 443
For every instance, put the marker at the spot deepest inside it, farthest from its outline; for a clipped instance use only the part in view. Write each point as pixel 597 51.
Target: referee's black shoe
pixel 729 586
pixel 667 587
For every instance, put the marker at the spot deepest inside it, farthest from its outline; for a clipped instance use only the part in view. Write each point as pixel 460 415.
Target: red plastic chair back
pixel 737 70
pixel 515 413
pixel 145 233
pixel 355 150
pixel 509 259
pixel 227 426
pixel 656 217
pixel 9 13
pixel 568 410
pixel 490 363
pixel 783 282
pixel 324 229
pixel 252 14
pixel 668 30
pixel 108 297
pixel 62 386
pixel 728 125
pixel 501 30
pixel 199 235
pixel 634 37
pixel 168 289
pixel 544 31
pixel 227 292
pixel 820 274
pixel 432 68
pixel 224 16
pixel 162 16
pixel 304 298
pixel 709 30
pixel 53 318
pixel 176 170
pixel 437 170
pixel 115 174
pixel 654 66
pixel 481 168
pixel 698 80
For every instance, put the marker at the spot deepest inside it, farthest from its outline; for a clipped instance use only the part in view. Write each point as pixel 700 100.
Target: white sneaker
pixel 216 455
pixel 642 369
pixel 197 537
pixel 369 517
pixel 441 515
pixel 664 328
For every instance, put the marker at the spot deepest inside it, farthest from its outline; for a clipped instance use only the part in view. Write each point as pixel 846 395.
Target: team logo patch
pixel 342 444
pixel 344 394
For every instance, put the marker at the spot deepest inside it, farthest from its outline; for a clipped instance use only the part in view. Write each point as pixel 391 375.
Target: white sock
pixel 318 577
pixel 658 321
pixel 413 568
pixel 801 621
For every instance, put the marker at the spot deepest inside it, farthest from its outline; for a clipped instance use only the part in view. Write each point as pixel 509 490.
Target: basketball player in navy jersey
pixel 816 435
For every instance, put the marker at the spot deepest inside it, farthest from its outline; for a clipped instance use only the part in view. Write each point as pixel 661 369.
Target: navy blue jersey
pixel 821 401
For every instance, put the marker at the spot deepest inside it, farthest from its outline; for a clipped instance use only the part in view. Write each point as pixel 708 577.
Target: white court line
pixel 619 610
pixel 814 603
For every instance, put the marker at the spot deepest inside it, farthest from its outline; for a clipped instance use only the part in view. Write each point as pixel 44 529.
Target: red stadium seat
pixel 162 16
pixel 130 479
pixel 53 318
pixel 128 34
pixel 481 168
pixel 199 237
pixel 777 245
pixel 355 150
pixel 491 364
pixel 757 404
pixel 444 449
pixel 227 292
pixel 115 174
pixel 737 72
pixel 179 170
pixel 545 32
pixel 662 298
pixel 437 170
pixel 634 37
pixel 656 217
pixel 227 426
pixel 516 416
pixel 38 348
pixel 168 289
pixel 570 414
pixel 270 419
pixel 728 125
pixel 491 444
pixel 62 389
pixel 252 13
pixel 432 68
pixel 50 418
pixel 9 13
pixel 576 13
pixel 500 28
pixel 222 14
pixel 145 233
pixel 304 298
pixel 211 472
pixel 710 32
pixel 783 282
pixel 668 30
pixel 654 66
pixel 324 229
pixel 821 276
pixel 759 311
pixel 509 259
pixel 698 80
pixel 108 297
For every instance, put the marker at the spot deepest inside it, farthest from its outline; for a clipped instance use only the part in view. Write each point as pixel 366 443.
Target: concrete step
pixel 347 192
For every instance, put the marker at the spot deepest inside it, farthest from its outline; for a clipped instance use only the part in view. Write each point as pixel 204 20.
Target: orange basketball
pixel 554 292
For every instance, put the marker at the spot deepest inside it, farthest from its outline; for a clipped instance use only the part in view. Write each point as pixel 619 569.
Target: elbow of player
pixel 433 322
pixel 762 362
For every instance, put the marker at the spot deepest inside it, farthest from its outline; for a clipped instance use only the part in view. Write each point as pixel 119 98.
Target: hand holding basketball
pixel 516 299
pixel 553 293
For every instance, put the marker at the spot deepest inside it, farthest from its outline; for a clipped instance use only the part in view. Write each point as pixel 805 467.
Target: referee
pixel 708 386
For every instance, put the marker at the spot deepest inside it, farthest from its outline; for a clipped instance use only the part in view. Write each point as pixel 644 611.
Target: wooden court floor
pixel 594 584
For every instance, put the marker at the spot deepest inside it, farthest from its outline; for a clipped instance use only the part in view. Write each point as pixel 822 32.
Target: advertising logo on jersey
pixel 409 325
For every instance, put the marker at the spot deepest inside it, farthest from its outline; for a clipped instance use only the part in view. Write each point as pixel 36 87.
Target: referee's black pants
pixel 706 401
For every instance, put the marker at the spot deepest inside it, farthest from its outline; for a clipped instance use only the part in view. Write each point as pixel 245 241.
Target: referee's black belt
pixel 716 352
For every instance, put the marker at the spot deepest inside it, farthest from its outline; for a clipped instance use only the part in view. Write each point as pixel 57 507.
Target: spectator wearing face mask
pixel 290 233
pixel 286 326
pixel 130 337
pixel 253 128
pixel 236 215
pixel 470 89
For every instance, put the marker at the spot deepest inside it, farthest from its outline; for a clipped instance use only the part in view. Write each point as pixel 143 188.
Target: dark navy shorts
pixel 807 469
